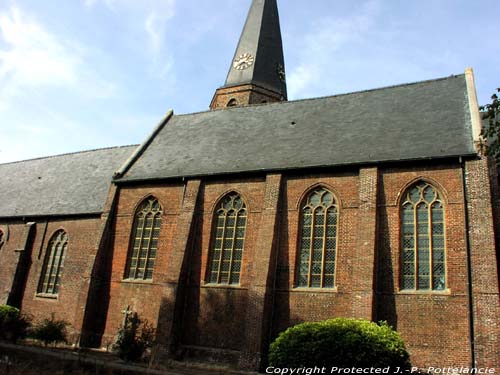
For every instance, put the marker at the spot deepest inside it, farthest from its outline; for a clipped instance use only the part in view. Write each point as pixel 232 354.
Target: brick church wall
pixel 431 323
pixel 214 315
pixel 69 303
pixel 143 297
pixel 211 321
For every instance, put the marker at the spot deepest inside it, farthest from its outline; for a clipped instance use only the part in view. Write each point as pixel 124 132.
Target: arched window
pixel 232 103
pixel 422 239
pixel 54 263
pixel 230 223
pixel 318 240
pixel 144 241
pixel 2 240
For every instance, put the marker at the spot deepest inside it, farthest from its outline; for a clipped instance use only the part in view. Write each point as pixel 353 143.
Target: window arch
pixel 423 265
pixel 54 263
pixel 144 241
pixel 232 103
pixel 318 240
pixel 230 221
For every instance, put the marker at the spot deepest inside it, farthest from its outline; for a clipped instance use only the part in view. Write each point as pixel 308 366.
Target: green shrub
pixel 13 324
pixel 339 342
pixel 135 339
pixel 50 331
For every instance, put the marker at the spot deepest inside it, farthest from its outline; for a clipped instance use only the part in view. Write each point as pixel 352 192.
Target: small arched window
pixel 232 103
pixel 2 240
pixel 53 263
pixel 144 241
pixel 226 253
pixel 317 251
pixel 422 239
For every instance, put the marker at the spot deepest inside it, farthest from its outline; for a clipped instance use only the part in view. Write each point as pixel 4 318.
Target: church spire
pixel 257 72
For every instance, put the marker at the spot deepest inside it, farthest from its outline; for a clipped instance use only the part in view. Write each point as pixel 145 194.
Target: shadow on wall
pixel 384 281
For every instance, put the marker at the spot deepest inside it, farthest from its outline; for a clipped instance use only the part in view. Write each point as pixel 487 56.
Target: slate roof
pixel 423 120
pixel 261 38
pixel 59 185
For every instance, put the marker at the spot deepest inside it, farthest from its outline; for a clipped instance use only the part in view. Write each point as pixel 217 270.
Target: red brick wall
pixel 145 297
pixel 423 318
pixel 13 233
pixel 223 319
pixel 215 315
pixel 70 301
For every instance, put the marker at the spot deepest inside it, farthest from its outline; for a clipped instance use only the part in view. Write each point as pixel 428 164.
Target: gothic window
pixel 230 223
pixel 232 103
pixel 318 240
pixel 422 239
pixel 144 241
pixel 54 263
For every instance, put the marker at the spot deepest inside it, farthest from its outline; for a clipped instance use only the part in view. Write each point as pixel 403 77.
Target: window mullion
pixel 415 244
pixel 58 266
pixel 136 268
pixel 311 246
pixel 431 246
pixel 222 245
pixel 323 252
pixel 236 214
pixel 148 249
pixel 50 269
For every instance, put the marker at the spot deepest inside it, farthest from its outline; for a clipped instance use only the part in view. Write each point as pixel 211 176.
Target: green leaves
pixel 339 342
pixel 491 131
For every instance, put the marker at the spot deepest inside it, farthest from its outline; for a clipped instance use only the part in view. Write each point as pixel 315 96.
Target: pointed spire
pixel 258 66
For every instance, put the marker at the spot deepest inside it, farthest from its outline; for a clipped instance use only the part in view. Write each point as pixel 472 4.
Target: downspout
pixel 469 265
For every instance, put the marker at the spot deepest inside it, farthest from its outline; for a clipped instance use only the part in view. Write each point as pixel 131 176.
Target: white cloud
pixel 320 47
pixel 33 58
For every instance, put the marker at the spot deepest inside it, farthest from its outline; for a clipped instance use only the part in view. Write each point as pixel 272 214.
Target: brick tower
pixel 257 72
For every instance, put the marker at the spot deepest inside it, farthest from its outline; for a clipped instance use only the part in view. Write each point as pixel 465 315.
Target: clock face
pixel 281 72
pixel 243 61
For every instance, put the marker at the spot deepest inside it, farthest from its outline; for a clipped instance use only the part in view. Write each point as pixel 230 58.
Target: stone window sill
pixel 312 290
pixel 222 286
pixel 47 296
pixel 137 281
pixel 445 292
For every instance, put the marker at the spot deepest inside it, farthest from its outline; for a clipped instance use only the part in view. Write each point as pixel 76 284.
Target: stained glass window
pixel 423 264
pixel 54 263
pixel 144 241
pixel 318 241
pixel 230 223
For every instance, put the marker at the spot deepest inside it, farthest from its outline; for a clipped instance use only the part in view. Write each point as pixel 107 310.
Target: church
pixel 223 228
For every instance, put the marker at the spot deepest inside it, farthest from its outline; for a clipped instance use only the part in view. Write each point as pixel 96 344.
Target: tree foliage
pixel 491 132
pixel 339 342
pixel 135 339
pixel 50 331
pixel 13 324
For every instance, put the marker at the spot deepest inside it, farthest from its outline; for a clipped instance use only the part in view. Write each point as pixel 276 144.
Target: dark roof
pixel 59 185
pixel 429 119
pixel 261 38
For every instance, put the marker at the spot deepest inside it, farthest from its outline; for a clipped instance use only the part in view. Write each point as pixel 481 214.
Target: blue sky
pixel 86 74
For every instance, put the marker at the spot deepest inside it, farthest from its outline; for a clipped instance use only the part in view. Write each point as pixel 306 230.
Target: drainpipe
pixel 469 265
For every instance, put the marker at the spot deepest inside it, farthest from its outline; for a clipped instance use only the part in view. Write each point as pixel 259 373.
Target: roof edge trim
pixel 474 109
pixel 142 147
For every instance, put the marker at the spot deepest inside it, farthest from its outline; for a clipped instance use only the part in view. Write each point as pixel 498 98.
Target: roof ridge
pixel 68 153
pixel 324 97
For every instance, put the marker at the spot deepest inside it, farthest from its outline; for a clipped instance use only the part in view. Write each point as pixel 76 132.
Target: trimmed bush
pixel 50 331
pixel 13 324
pixel 339 342
pixel 135 339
